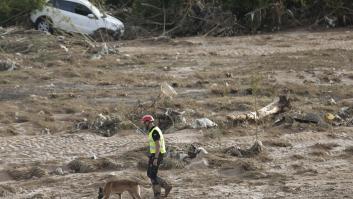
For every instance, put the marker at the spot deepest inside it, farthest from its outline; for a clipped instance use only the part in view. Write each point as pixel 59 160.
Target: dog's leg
pixel 132 194
pixel 107 190
pixel 136 193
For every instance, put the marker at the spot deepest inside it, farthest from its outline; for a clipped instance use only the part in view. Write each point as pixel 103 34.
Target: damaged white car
pixel 79 16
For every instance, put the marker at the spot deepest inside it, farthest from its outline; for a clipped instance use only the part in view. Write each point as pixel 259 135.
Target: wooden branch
pixel 278 105
pixel 151 6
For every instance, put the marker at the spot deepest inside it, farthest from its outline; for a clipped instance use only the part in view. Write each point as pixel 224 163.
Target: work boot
pixel 165 185
pixel 156 191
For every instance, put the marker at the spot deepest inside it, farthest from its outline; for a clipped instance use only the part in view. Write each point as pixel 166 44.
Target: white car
pixel 78 16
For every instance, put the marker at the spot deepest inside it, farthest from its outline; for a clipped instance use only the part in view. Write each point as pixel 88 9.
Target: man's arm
pixel 156 139
pixel 157 149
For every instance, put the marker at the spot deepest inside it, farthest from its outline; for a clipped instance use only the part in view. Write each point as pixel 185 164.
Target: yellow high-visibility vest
pixel 153 144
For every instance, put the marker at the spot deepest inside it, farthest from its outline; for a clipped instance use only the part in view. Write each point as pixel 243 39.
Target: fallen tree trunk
pixel 277 106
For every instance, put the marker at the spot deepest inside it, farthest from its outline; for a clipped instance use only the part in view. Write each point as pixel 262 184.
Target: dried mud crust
pixel 53 89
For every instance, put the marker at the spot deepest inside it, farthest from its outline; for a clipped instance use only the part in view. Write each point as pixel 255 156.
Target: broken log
pixel 277 106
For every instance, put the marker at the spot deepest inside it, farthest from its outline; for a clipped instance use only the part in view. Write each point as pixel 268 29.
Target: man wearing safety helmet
pixel 157 151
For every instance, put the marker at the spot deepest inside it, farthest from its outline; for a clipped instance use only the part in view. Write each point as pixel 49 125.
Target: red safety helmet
pixel 147 118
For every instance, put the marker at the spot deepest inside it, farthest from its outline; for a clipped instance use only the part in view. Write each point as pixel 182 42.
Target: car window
pixel 72 7
pixel 65 5
pixel 82 10
pixel 51 3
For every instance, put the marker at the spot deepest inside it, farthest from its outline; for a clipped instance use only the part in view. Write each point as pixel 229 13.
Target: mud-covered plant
pixel 255 87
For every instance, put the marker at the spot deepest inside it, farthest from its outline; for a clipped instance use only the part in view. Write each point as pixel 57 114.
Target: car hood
pixel 114 21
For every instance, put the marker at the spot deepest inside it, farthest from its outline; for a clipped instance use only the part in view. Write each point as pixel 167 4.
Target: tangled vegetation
pixel 201 17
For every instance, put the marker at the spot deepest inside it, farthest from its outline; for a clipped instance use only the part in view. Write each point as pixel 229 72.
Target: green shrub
pixel 16 11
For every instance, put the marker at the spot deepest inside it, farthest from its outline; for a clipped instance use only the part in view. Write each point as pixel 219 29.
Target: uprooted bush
pixel 230 17
pixel 6 191
pixel 86 165
pixel 27 173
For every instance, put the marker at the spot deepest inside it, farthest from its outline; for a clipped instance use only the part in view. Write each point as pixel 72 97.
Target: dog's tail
pixel 100 193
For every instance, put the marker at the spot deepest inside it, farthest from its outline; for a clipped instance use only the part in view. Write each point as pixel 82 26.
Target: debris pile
pixel 178 158
pixel 203 123
pixel 280 104
pixel 255 149
pixel 168 118
pixel 105 125
pixel 344 117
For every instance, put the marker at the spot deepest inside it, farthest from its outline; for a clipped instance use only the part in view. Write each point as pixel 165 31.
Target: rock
pixel 203 123
pixel 308 118
pixel 61 38
pixel 59 171
pixel 7 65
pixel 64 47
pixel 95 57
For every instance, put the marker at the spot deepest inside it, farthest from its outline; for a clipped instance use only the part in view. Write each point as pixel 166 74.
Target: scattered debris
pixel 7 65
pixel 255 149
pixel 277 106
pixel 332 101
pixel 106 125
pixel 203 123
pixel 171 118
pixel 61 38
pixel 100 51
pixel 64 47
pixel 330 22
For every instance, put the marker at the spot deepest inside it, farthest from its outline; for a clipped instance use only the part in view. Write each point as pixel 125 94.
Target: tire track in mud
pixel 253 46
pixel 29 149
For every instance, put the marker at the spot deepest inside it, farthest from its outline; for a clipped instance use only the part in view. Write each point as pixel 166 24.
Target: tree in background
pixel 16 11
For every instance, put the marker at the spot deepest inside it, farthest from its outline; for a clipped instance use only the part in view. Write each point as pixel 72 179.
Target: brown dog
pixel 120 186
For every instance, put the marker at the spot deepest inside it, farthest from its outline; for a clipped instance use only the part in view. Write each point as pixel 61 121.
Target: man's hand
pixel 155 161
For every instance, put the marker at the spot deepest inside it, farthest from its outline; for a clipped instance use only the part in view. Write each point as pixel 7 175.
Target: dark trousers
pixel 152 170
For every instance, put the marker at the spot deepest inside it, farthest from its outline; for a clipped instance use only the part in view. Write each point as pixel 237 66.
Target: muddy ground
pixel 60 81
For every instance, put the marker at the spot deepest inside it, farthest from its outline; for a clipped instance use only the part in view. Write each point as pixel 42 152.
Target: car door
pixel 52 11
pixel 85 19
pixel 76 17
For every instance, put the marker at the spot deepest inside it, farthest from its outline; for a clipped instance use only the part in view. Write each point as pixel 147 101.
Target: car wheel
pixel 103 35
pixel 44 24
